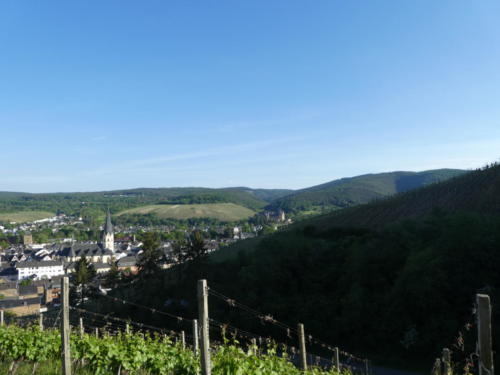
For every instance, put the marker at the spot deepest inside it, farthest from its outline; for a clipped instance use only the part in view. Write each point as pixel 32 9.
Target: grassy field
pixel 219 211
pixel 24 216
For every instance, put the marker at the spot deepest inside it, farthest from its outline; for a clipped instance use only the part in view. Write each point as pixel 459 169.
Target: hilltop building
pixel 281 216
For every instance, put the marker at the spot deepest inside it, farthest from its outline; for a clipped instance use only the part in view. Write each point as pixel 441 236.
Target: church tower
pixel 108 237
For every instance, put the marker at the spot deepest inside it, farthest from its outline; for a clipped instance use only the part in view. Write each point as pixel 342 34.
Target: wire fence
pixel 85 321
pixel 228 331
pixel 350 360
pixel 467 354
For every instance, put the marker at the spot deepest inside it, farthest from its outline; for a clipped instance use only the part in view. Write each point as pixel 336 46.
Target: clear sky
pixel 98 95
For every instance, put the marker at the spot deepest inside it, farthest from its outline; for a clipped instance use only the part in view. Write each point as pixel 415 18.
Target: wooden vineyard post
pixel 82 331
pixel 127 328
pixel 96 332
pixel 65 330
pixel 446 361
pixel 437 367
pixel 484 338
pixel 40 322
pixel 196 340
pixel 254 346
pixel 2 322
pixel 336 359
pixel 302 345
pixel 203 318
pixel 183 339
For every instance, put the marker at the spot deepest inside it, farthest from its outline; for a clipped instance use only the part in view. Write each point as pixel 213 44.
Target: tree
pixel 228 232
pixel 196 247
pixel 179 250
pixel 83 276
pixel 26 282
pixel 113 277
pixel 149 259
pixel 91 216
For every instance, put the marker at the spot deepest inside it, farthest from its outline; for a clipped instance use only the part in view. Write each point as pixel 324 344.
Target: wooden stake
pixel 336 359
pixel 437 367
pixel 183 339
pixel 82 331
pixel 65 330
pixel 484 335
pixel 446 361
pixel 302 345
pixel 203 318
pixel 2 322
pixel 196 340
pixel 41 321
pixel 254 346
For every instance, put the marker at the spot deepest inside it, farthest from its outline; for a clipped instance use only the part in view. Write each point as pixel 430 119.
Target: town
pixel 30 272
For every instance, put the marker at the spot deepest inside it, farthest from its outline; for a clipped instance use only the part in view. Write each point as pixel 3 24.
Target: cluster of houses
pixel 54 222
pixel 29 261
pixel 22 299
pixel 43 268
pixel 44 264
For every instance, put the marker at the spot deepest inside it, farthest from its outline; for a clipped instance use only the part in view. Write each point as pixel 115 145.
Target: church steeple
pixel 108 237
pixel 108 226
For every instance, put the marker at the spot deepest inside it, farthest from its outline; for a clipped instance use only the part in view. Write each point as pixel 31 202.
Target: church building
pixel 102 252
pixel 108 237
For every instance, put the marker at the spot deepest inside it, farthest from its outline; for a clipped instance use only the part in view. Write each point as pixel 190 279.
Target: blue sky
pixel 99 95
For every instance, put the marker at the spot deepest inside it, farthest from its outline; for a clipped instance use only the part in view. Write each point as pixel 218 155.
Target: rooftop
pixel 39 264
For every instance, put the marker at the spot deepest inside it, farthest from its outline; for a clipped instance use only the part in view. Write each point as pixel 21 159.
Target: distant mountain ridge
pixel 342 193
pixel 475 192
pixel 118 200
pixel 347 192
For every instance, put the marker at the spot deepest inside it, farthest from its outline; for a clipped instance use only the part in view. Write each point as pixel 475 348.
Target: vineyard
pixel 70 339
pixel 31 350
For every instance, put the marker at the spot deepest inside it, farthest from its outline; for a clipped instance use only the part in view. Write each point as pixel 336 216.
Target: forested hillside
pixel 348 192
pixel 397 292
pixel 476 191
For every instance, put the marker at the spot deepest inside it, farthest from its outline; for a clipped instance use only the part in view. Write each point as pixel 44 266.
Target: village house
pixel 25 299
pixel 128 263
pixel 21 307
pixel 38 270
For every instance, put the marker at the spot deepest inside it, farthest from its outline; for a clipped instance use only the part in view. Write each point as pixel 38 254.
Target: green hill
pixel 477 191
pixel 393 280
pixel 218 211
pixel 267 195
pixel 348 192
pixel 119 200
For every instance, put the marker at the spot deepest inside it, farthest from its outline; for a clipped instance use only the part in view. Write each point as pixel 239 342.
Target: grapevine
pixel 134 353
